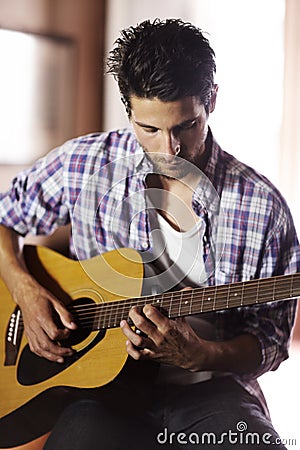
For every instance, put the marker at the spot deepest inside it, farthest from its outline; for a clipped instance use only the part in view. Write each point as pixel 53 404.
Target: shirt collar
pixel 206 197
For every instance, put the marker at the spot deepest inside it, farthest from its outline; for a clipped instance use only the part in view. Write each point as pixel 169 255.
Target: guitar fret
pixel 242 294
pixel 202 300
pixel 288 286
pixel 185 303
pixel 179 304
pixel 295 288
pixel 170 306
pixel 206 303
pixel 208 299
pixel 235 294
pixel 109 317
pixel 214 300
pixel 265 294
pixel 159 302
pixel 124 312
pixel 257 292
pixel 292 286
pixel 274 290
pixel 191 302
pixel 228 297
pixel 114 315
pixel 250 293
pixel 176 305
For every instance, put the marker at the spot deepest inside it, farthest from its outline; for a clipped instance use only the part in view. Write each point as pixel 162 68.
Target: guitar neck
pixel 201 300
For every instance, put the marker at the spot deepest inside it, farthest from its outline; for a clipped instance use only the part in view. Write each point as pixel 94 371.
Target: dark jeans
pixel 214 414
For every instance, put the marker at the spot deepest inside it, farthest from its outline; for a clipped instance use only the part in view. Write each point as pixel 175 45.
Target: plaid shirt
pixel 97 182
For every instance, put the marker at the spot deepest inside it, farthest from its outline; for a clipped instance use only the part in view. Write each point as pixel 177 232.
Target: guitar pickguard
pixel 33 370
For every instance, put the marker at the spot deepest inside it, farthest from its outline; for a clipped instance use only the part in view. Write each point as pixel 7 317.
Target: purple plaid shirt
pixel 97 183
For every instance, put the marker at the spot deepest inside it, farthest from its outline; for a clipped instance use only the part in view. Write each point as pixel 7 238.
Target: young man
pixel 165 188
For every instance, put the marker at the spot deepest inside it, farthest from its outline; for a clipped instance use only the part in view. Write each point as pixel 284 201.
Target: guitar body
pixel 99 292
pixel 33 390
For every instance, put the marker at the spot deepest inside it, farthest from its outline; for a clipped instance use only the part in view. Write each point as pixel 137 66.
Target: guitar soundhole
pixel 33 369
pixel 84 317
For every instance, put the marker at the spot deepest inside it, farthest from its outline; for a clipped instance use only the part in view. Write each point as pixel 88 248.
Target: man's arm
pixel 38 305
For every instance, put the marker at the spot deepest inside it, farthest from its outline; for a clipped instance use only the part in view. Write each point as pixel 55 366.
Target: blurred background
pixel 53 87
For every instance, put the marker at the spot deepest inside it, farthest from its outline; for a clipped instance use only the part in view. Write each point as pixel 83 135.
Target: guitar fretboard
pixel 194 301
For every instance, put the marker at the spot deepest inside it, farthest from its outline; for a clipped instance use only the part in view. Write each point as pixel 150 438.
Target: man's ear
pixel 213 98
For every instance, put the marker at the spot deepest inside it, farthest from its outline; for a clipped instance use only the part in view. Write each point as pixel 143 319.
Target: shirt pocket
pixel 227 275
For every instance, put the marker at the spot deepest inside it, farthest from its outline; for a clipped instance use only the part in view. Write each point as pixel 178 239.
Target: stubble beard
pixel 178 168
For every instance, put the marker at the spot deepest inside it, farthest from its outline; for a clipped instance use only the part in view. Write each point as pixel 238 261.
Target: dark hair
pixel 168 59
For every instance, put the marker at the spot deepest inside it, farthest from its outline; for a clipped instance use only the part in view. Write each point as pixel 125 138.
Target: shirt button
pixel 145 245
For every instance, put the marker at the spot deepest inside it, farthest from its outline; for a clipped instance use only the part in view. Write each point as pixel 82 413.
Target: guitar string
pixel 111 310
pixel 216 291
pixel 197 291
pixel 110 314
pixel 247 290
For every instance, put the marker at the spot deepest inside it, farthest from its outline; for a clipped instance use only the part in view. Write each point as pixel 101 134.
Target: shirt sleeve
pixel 272 322
pixel 35 201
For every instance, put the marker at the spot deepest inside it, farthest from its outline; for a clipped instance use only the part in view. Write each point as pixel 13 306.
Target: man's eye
pixel 150 130
pixel 188 125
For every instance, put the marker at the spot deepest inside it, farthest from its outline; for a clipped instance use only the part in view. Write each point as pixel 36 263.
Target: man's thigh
pixel 212 414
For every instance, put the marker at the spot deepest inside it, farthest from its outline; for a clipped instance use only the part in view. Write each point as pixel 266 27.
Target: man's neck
pixel 173 200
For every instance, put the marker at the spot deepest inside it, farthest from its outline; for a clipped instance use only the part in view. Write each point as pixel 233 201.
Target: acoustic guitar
pixel 100 293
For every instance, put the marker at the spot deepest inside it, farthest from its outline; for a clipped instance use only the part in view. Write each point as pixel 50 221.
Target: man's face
pixel 167 129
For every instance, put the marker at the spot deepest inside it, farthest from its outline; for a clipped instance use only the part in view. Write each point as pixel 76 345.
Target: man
pixel 165 188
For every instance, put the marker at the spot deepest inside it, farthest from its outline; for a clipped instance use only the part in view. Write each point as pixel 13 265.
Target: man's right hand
pixel 46 319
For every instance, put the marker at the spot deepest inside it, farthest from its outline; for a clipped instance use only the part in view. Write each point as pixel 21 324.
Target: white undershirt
pixel 179 256
pixel 185 249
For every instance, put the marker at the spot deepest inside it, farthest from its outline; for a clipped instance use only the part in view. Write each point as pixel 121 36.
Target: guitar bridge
pixel 13 336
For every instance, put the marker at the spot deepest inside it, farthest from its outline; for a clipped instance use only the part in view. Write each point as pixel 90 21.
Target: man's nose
pixel 171 145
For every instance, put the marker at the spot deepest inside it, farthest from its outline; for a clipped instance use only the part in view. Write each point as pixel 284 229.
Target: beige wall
pixel 81 20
